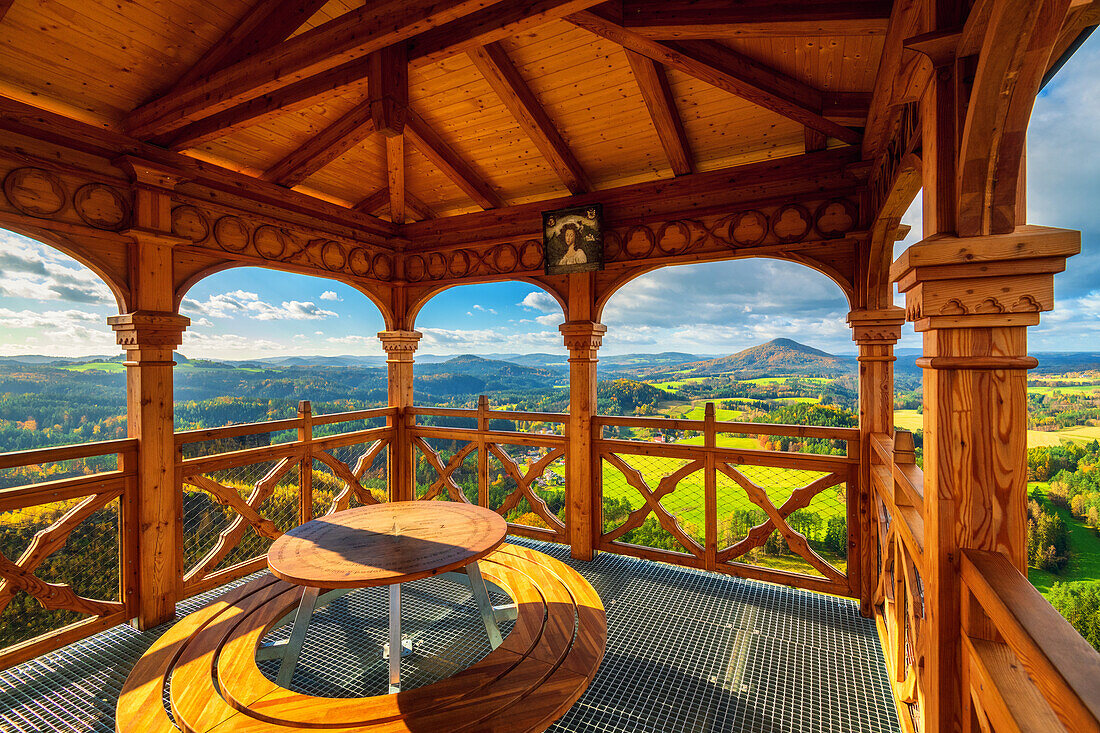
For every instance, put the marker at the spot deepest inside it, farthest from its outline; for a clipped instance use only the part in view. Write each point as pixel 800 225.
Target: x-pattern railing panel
pixel 352 475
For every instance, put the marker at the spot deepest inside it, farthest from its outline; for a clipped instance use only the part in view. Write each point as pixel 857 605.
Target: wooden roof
pixel 509 102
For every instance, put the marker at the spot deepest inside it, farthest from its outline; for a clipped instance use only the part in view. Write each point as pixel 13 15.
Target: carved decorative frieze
pixel 46 194
pixel 238 235
pixel 786 224
pixel 876 326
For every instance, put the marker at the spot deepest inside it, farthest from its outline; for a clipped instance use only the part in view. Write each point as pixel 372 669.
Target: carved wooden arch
pixel 610 282
pixel 555 287
pixel 190 279
pixel 1014 56
pixel 108 257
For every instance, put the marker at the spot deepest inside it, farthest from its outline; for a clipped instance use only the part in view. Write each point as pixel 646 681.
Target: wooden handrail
pixel 235 431
pixel 749 456
pixel 1061 664
pixel 517 415
pixel 745 428
pixel 335 417
pixel 17 459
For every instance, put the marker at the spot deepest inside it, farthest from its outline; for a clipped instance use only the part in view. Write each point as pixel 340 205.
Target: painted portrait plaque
pixel 572 239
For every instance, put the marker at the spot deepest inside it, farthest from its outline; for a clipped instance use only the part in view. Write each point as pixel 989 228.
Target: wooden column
pixel 400 347
pixel 973 299
pixel 584 507
pixel 875 332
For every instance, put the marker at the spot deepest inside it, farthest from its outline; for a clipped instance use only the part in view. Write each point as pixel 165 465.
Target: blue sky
pixel 49 304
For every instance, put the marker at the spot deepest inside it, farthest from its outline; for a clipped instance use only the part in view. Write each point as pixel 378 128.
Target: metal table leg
pixel 484 605
pixel 395 638
pixel 297 636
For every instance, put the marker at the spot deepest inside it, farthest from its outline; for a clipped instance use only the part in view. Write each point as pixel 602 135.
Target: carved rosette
pixel 400 345
pixel 975 282
pixel 149 329
pixel 582 338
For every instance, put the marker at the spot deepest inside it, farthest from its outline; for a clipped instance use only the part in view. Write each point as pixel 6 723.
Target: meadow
pixel 1084 548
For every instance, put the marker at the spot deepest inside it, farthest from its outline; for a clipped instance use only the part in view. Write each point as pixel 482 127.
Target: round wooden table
pixel 385 544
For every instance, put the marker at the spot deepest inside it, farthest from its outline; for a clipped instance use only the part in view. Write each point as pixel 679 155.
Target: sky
pixel 50 304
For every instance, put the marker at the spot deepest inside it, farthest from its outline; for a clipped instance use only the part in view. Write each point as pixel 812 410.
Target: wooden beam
pixel 748 185
pixel 891 81
pixel 505 79
pixel 388 89
pixel 395 170
pixel 375 202
pixel 702 19
pixel 815 140
pixel 5 6
pixel 265 24
pixel 728 70
pixel 653 84
pixel 419 209
pixel 357 33
pixel 503 19
pixel 432 147
pixel 338 138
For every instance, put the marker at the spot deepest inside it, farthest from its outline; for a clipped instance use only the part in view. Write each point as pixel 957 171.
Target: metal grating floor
pixel 687 651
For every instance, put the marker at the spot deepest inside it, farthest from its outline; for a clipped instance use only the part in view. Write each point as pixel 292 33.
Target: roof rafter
pixel 350 130
pixel 657 94
pixel 395 177
pixel 265 24
pixel 701 19
pixel 729 70
pixel 356 33
pixel 378 202
pixel 502 75
pixel 443 157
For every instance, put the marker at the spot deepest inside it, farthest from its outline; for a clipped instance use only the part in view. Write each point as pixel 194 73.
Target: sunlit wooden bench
pixel 209 660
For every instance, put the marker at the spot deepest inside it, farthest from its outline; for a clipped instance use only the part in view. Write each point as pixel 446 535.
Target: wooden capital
pixel 980 282
pixel 400 345
pixel 149 329
pixel 879 327
pixel 582 338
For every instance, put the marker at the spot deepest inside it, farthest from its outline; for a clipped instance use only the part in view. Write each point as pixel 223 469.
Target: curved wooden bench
pixel 209 658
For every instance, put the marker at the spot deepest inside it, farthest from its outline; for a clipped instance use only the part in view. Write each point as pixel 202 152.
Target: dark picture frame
pixel 572 239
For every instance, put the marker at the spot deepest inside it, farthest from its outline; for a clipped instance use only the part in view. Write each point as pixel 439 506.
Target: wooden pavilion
pixel 407 146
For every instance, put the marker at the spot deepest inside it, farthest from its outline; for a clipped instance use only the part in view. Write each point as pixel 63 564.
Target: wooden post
pixel 710 489
pixel 584 510
pixel 148 334
pixel 305 470
pixel 400 347
pixel 875 332
pixel 482 451
pixel 973 299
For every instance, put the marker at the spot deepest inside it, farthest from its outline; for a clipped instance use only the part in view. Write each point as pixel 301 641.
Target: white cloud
pixel 539 300
pixel 37 272
pixel 61 333
pixel 550 319
pixel 452 341
pixel 243 303
pixel 483 309
pixel 331 295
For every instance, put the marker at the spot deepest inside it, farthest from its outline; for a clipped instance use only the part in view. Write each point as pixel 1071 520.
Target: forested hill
pixel 777 357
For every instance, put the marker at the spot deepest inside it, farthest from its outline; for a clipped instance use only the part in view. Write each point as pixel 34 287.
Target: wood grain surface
pixel 385 544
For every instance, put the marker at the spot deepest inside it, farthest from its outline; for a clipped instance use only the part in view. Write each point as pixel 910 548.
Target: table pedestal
pixel 312 598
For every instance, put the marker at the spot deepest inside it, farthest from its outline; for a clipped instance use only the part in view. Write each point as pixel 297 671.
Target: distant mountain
pixel 776 357
pixel 471 374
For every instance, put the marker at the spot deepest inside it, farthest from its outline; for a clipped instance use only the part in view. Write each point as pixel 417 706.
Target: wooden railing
pixel 236 502
pixel 897 526
pixel 1028 669
pixel 520 474
pixel 779 516
pixel 47 599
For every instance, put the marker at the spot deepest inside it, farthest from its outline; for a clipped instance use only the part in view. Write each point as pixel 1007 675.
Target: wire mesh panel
pixel 350 476
pixel 445 469
pixel 526 485
pixel 41 472
pixel 653 501
pixel 232 515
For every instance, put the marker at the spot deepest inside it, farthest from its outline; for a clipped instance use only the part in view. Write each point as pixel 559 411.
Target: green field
pixel 1084 550
pixel 697 411
pixel 913 421
pixel 97 366
pixel 784 380
pixel 1077 389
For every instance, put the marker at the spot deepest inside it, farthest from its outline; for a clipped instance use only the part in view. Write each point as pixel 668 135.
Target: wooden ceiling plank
pixel 703 19
pixel 729 70
pixel 815 140
pixel 418 208
pixel 5 6
pixel 502 75
pixel 395 177
pixel 264 25
pixel 432 147
pixel 657 94
pixel 375 202
pixel 356 33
